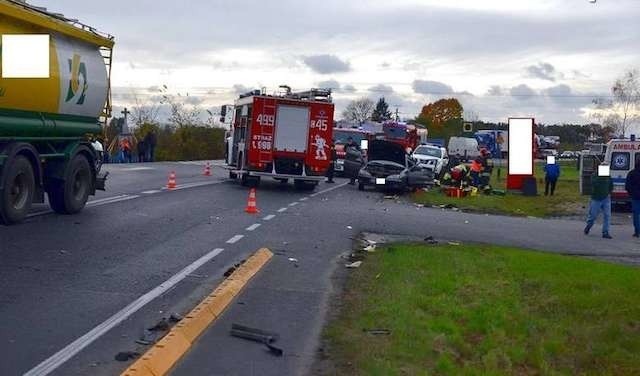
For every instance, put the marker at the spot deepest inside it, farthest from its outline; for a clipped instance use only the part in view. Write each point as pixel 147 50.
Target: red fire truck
pixel 401 133
pixel 284 136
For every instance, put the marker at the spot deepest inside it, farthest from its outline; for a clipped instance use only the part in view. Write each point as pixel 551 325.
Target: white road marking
pixel 234 239
pixel 253 226
pixel 59 358
pixel 282 210
pixel 329 189
pixel 153 191
pixel 293 204
pixel 269 217
pixel 126 198
pixel 304 199
pixel 138 169
pixel 105 199
pixel 193 185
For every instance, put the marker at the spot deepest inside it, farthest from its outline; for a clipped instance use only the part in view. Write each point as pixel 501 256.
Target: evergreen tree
pixel 381 112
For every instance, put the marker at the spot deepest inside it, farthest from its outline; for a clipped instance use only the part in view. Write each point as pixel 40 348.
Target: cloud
pixel 240 89
pixel 543 71
pixel 326 64
pixel 349 88
pixel 522 92
pixel 431 87
pixel 495 90
pixel 193 100
pixel 329 84
pixel 385 64
pixel 381 89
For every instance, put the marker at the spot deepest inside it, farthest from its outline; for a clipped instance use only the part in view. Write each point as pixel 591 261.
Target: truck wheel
pixel 20 185
pixel 233 175
pixel 71 195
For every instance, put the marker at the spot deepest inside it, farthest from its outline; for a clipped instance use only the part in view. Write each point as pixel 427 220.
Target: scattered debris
pixel 257 335
pixel 419 205
pixel 354 265
pixel 455 209
pixel 378 275
pixel 377 332
pixel 370 248
pixel 430 240
pixel 148 338
pixel 466 222
pixel 62 252
pixel 123 356
pixel 175 318
pixel 293 259
pixel 162 325
pixel 453 243
pixel 390 197
pixel 233 269
pixel 349 227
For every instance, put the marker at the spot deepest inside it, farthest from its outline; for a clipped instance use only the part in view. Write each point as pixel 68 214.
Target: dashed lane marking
pixel 59 358
pixel 293 204
pixel 253 227
pixel 269 217
pixel 304 199
pixel 151 192
pixel 235 239
pixel 282 210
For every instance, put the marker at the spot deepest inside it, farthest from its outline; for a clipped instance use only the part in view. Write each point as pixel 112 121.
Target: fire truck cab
pixel 284 136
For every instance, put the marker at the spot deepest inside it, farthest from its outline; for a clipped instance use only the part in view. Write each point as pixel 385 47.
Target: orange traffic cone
pixel 172 180
pixel 207 170
pixel 252 207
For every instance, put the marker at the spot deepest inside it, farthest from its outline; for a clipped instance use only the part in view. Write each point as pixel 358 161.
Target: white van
pixel 621 156
pixel 466 147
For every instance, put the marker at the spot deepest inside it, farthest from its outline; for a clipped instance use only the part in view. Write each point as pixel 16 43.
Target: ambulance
pixel 621 156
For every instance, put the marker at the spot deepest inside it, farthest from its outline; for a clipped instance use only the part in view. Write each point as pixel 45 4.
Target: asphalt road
pixel 72 279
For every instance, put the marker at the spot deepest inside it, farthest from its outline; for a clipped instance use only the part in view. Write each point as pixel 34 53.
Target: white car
pixel 432 157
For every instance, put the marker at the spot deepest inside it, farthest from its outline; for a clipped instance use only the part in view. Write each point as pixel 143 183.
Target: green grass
pixel 566 201
pixel 484 310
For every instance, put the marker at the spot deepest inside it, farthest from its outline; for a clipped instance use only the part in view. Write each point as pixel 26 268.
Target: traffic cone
pixel 207 170
pixel 252 207
pixel 172 180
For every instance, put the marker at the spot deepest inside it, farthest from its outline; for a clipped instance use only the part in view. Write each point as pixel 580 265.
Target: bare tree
pixel 146 111
pixel 623 111
pixel 359 110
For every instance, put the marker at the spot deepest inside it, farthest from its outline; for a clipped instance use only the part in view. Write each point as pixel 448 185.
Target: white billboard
pixel 521 146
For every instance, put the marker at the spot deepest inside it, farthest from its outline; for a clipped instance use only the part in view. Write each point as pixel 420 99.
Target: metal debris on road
pixel 466 222
pixel 354 265
pixel 293 259
pixel 257 335
pixel 349 227
pixel 123 356
pixel 370 248
pixel 453 243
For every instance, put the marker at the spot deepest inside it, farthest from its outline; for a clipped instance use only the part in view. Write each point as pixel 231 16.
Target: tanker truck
pixel 49 122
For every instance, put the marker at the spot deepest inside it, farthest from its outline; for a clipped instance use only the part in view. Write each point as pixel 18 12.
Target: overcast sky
pixel 500 58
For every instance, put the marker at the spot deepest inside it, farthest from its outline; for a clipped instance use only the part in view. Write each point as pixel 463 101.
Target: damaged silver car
pixel 390 168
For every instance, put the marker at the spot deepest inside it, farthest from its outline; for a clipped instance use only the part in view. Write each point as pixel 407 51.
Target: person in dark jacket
pixel 632 185
pixel 351 144
pixel 331 170
pixel 601 188
pixel 150 140
pixel 142 151
pixel 552 173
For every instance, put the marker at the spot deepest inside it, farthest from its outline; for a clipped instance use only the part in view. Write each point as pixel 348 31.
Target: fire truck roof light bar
pixel 320 95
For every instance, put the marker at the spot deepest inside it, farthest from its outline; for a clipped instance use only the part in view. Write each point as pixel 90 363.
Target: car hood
pixel 381 150
pixel 422 157
pixel 382 169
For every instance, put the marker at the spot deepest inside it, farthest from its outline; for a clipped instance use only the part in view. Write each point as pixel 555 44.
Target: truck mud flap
pixel 101 181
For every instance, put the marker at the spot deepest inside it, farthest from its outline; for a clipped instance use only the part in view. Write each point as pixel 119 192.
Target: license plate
pixel 381 181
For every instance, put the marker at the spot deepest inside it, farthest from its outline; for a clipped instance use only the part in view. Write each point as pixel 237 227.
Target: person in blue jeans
pixel 552 173
pixel 601 188
pixel 632 185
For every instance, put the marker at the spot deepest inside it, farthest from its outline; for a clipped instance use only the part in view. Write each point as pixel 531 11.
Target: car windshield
pixel 429 151
pixel 342 137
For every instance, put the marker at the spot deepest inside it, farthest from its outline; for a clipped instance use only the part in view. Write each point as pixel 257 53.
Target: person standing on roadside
pixel 142 151
pixel 150 141
pixel 601 188
pixel 552 173
pixel 331 170
pixel 632 185
pixel 353 147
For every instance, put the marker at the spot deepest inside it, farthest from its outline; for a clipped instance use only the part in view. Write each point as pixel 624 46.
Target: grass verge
pixel 485 310
pixel 567 200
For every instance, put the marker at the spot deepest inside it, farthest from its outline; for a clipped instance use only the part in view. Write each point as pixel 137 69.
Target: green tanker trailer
pixel 48 122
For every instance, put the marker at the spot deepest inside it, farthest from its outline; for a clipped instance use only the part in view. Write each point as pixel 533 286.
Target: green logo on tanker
pixel 77 70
